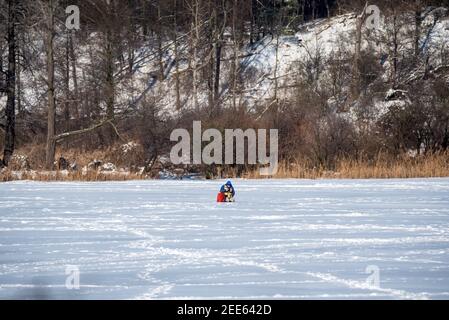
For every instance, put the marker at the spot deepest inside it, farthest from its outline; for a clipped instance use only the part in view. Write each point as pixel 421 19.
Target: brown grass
pixel 36 155
pixel 384 167
pixel 46 176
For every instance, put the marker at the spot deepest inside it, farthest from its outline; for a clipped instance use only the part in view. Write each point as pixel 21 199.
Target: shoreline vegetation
pixel 428 166
pixel 383 167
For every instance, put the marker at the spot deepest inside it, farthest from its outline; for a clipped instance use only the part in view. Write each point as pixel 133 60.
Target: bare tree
pixel 48 11
pixel 195 7
pixel 177 55
pixel 10 133
pixel 361 18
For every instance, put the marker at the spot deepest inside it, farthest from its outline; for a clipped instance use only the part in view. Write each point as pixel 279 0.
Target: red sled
pixel 221 197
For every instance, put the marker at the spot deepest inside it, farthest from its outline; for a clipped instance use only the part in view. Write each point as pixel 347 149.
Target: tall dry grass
pixel 35 154
pixel 383 167
pixel 48 176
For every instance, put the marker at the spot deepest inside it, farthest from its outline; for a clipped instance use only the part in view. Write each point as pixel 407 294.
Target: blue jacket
pixel 231 188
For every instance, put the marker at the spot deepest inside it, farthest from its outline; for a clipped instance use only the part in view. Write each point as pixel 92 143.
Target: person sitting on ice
pixel 227 193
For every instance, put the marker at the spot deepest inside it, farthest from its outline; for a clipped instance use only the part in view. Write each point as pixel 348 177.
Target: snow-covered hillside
pixel 281 239
pixel 284 58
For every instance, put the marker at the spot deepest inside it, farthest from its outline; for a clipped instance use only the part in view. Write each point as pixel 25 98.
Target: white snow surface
pixel 282 239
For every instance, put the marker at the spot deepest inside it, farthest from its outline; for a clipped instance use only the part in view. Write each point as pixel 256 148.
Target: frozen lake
pixel 282 239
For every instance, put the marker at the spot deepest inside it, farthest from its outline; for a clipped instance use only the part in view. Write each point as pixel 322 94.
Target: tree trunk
pixel 19 79
pixel 234 66
pixel 1 66
pixel 328 9
pixel 252 16
pixel 218 50
pixel 194 57
pixel 51 121
pixel 395 49
pixel 418 21
pixel 303 6
pixel 110 86
pixel 313 9
pixel 10 133
pixel 175 40
pixel 357 58
pixel 159 45
pixel 276 66
pixel 177 79
pixel 358 55
pixel 132 38
pixel 76 99
pixel 211 56
pixel 219 47
pixel 67 95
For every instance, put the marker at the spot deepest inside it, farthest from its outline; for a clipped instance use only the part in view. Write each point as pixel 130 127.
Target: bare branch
pixel 65 135
pixel 116 131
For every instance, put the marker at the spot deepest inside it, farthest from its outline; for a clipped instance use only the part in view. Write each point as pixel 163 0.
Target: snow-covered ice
pixel 287 239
